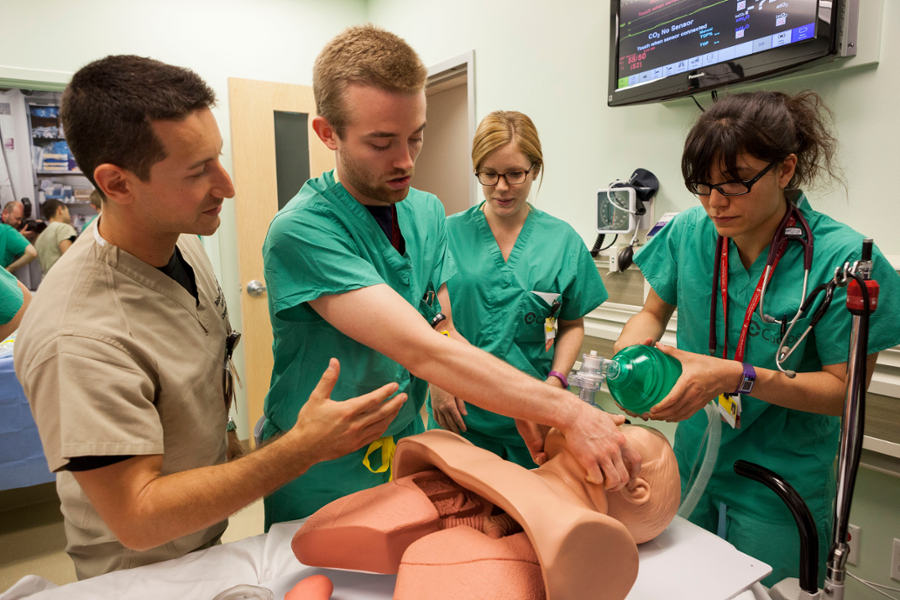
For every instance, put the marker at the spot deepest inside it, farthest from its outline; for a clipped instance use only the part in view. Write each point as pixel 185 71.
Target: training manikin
pixel 459 522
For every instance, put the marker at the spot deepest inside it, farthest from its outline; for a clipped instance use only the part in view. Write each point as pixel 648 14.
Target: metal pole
pixel 852 431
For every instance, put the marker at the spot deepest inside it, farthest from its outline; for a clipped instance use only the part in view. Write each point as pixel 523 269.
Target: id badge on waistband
pixel 730 409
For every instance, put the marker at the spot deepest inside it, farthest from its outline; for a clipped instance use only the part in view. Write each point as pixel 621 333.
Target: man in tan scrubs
pixel 121 353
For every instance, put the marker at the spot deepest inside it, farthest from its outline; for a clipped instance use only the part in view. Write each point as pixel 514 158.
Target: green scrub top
pixel 325 242
pixel 12 245
pixel 494 303
pixel 800 446
pixel 11 297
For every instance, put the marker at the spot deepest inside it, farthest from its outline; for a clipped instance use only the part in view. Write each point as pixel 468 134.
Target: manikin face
pixel 377 153
pixel 504 200
pixel 185 191
pixel 757 213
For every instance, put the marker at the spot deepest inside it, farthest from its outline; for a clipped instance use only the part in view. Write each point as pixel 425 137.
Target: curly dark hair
pixel 767 125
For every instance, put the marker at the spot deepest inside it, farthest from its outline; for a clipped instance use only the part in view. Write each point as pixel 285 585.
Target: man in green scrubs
pixel 15 250
pixel 352 266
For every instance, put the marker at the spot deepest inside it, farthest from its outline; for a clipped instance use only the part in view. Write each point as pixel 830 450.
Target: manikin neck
pixel 752 243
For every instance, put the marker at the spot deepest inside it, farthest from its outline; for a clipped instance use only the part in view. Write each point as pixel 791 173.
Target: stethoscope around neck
pixel 793 227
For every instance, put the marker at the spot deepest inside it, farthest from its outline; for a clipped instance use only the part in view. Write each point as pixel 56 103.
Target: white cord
pixel 871 585
pixel 609 197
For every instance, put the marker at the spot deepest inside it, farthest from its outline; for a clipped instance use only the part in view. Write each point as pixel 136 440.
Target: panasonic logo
pixel 697 75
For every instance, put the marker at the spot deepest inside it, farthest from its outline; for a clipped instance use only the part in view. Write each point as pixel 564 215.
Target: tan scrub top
pixel 116 358
pixel 47 244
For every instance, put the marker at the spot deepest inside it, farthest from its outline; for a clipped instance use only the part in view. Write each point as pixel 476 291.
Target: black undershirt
pixel 183 274
pixel 384 217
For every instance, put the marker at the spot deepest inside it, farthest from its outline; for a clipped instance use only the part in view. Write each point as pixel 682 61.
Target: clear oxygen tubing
pixel 713 437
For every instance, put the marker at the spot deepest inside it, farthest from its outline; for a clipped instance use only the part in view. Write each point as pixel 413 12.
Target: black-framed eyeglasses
pixel 228 376
pixel 512 177
pixel 729 188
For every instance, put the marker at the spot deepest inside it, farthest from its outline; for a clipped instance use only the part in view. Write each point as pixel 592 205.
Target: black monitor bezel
pixel 772 62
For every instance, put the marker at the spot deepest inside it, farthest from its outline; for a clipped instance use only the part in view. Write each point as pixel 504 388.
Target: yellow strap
pixel 388 447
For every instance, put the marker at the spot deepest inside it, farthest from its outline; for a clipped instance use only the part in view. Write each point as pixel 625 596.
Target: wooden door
pixel 261 115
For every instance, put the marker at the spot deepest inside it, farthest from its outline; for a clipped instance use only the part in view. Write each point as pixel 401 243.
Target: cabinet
pixel 56 176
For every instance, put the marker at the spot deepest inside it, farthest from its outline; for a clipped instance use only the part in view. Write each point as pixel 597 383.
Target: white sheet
pixel 676 565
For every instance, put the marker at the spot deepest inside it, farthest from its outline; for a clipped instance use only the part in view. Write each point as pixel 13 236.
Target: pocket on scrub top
pixel 533 310
pixel 766 339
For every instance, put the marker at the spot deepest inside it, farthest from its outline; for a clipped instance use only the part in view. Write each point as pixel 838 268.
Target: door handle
pixel 255 288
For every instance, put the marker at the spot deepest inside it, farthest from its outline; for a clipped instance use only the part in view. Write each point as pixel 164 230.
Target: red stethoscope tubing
pixel 793 227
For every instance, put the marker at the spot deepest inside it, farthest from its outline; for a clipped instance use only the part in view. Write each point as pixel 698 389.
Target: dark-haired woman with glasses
pixel 525 281
pixel 747 159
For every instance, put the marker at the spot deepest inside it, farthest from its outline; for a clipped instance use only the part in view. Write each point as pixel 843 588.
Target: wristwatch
pixel 747 379
pixel 231 425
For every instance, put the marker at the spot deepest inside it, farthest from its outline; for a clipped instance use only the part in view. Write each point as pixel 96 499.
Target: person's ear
pixel 788 167
pixel 116 184
pixel 637 491
pixel 325 132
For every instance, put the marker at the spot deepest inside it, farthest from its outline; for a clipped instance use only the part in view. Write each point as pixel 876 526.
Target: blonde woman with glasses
pixel 525 281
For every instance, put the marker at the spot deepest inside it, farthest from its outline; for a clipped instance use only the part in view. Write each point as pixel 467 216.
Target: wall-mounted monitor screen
pixel 664 49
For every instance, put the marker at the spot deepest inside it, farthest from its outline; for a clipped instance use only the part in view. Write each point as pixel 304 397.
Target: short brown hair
pixel 503 127
pixel 50 207
pixel 110 104
pixel 366 55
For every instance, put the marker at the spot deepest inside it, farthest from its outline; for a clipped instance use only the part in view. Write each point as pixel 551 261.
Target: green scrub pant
pixel 517 453
pixel 776 544
pixel 327 481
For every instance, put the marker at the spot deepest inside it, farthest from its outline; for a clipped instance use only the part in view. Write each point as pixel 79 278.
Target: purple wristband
pixel 561 377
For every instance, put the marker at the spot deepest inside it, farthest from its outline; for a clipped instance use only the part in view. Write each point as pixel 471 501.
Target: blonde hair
pixel 503 127
pixel 366 55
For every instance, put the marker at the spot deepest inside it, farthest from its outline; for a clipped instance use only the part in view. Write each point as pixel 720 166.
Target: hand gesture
pixel 332 429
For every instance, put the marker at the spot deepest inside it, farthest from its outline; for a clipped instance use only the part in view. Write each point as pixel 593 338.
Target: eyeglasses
pixel 729 188
pixel 512 177
pixel 231 343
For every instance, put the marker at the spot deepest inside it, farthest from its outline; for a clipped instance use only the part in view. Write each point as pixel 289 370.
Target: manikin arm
pixel 477 377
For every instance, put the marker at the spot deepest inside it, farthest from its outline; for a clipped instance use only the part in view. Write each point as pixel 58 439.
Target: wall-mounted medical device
pixel 621 205
pixel 620 208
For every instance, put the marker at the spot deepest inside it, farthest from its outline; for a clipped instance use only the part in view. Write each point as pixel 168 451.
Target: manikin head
pixel 369 87
pixel 648 503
